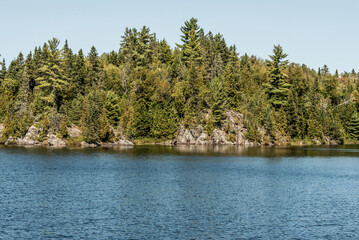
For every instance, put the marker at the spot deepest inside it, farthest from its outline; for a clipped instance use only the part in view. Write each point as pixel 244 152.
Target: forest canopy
pixel 147 90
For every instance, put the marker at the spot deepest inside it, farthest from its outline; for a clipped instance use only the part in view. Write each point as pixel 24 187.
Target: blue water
pixel 179 193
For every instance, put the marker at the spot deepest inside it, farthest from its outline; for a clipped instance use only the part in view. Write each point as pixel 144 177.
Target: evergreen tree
pixel 147 90
pixel 51 83
pixel 91 117
pixel 191 47
pixel 292 115
pixel 268 122
pixel 104 127
pixel 218 100
pixel 165 53
pixel 278 87
pixel 353 126
pixel 63 129
pixel 2 71
pixel 112 106
pixel 94 70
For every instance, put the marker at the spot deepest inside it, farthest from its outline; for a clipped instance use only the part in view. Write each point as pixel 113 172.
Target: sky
pixel 313 32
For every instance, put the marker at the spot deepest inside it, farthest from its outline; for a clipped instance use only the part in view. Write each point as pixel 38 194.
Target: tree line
pixel 147 90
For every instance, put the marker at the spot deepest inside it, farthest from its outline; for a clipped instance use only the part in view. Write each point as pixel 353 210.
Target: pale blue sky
pixel 314 32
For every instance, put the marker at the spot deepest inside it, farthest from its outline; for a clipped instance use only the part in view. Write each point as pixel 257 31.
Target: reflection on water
pixel 180 192
pixel 248 151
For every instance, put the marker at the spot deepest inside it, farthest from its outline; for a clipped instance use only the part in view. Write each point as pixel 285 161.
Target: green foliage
pixel 112 106
pixel 50 81
pixel 191 47
pixel 63 129
pixel 278 86
pixel 147 89
pixel 44 126
pixel 104 127
pixel 218 99
pixel 90 120
pixel 353 126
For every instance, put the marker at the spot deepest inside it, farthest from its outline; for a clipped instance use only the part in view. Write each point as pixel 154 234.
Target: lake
pixel 154 192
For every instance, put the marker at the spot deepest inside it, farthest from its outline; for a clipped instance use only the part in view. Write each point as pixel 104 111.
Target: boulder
pixel 1 129
pixel 52 140
pixel 185 136
pixel 31 137
pixel 11 141
pixel 74 132
pixel 240 138
pixel 88 145
pixel 125 142
pixel 109 144
pixel 202 139
pixel 219 137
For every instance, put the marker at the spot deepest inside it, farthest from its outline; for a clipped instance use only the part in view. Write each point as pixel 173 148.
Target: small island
pixel 200 92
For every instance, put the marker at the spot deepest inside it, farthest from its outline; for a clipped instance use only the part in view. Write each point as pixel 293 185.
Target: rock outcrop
pixel 74 132
pixel 1 129
pixel 31 137
pixel 11 141
pixel 54 141
pixel 125 142
pixel 219 137
pixel 88 145
pixel 231 132
pixel 195 136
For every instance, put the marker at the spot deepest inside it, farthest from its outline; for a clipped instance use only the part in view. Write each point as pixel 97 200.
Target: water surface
pixel 180 193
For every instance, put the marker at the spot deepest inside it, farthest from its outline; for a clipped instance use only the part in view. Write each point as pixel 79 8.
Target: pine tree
pixel 2 71
pixel 77 82
pixel 218 98
pixel 314 126
pixel 104 127
pixel 142 119
pixel 112 106
pixel 63 129
pixel 292 115
pixel 51 82
pixel 281 123
pixel 278 87
pixel 91 117
pixel 45 126
pixel 165 53
pixel 353 126
pixel 94 70
pixel 191 47
pixel 268 122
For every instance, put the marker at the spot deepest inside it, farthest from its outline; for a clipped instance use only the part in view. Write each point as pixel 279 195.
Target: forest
pixel 147 89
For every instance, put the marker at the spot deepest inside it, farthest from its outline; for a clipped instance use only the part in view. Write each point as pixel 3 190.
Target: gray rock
pixel 88 145
pixel 74 132
pixel 109 145
pixel 219 138
pixel 185 136
pixel 55 141
pixel 1 129
pixel 202 139
pixel 30 137
pixel 11 141
pixel 125 142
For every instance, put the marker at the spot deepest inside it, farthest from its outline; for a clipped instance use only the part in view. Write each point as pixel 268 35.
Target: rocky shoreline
pixel 232 132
